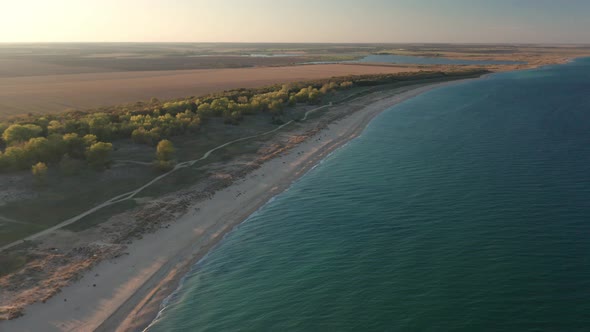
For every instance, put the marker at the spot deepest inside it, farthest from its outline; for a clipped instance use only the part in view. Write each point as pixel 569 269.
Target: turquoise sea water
pixel 464 209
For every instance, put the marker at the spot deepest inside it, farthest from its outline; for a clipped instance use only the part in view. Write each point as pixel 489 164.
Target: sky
pixel 337 21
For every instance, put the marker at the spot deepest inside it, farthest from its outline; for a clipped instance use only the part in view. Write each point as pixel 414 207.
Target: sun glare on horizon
pixel 293 21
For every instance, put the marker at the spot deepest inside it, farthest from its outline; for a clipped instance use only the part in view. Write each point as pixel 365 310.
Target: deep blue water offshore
pixel 466 208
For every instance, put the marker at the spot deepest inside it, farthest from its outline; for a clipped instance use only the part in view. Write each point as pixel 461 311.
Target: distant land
pixel 40 78
pixel 123 164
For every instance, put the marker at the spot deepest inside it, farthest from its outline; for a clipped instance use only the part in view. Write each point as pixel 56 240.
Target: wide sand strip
pixel 125 293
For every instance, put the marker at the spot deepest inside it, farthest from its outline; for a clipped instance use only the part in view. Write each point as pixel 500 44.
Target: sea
pixel 466 208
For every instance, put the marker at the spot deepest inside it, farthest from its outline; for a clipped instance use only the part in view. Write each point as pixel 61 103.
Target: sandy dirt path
pixel 131 194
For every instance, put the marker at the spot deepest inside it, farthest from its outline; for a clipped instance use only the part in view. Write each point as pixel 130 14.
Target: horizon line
pixel 297 42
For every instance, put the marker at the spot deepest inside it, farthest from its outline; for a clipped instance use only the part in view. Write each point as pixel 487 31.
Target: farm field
pixel 54 93
pixel 42 78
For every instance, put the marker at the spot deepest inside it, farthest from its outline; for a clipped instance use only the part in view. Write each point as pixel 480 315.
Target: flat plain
pixel 54 93
pixel 41 78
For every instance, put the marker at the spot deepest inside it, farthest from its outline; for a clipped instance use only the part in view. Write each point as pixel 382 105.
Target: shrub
pixel 39 171
pixel 17 133
pixel 99 155
pixel 165 150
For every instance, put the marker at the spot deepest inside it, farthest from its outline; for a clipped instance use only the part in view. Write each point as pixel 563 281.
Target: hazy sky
pixel 550 21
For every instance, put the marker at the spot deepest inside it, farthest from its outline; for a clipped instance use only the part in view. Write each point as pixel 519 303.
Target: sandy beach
pixel 125 294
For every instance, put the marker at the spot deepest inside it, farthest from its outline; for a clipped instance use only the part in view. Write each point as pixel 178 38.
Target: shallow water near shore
pixel 465 208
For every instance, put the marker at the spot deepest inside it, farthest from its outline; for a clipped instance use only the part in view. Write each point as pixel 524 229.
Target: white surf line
pixel 131 194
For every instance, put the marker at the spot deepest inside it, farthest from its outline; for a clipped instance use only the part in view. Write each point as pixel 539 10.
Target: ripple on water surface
pixel 465 208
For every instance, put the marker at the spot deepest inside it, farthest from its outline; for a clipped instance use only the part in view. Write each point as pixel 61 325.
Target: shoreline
pixel 310 165
pixel 138 282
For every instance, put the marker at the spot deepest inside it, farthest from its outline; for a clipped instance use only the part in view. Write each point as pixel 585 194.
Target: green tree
pixel 275 107
pixel 292 100
pixel 98 155
pixel 164 155
pixel 302 95
pixel 165 150
pixel 76 126
pixel 328 87
pixel 3 127
pixel 89 140
pixel 16 158
pixel 314 96
pixel 56 146
pixel 204 110
pixel 18 133
pixel 55 127
pixel 99 124
pixel 75 145
pixel 346 85
pixel 219 105
pixel 38 149
pixel 143 136
pixel 39 171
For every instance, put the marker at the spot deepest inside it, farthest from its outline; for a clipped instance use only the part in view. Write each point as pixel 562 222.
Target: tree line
pixel 76 139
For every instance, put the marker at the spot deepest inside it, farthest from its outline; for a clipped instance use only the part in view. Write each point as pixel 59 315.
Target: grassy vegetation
pixel 11 262
pixel 11 232
pixel 66 139
pixel 65 195
pixel 100 216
